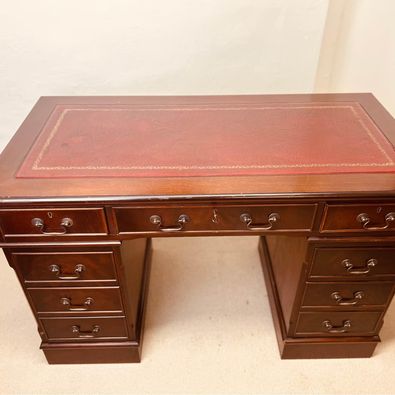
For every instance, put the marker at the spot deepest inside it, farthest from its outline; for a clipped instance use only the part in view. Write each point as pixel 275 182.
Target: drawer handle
pixel 272 219
pixel 64 224
pixel 95 330
pixel 77 307
pixel 78 270
pixel 370 263
pixel 337 329
pixel 364 219
pixel 157 220
pixel 347 301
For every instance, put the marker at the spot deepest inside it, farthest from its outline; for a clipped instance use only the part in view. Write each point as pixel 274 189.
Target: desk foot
pixel 313 348
pixel 122 352
pixel 309 348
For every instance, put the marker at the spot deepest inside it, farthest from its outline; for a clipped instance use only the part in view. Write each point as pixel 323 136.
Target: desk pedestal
pixel 308 347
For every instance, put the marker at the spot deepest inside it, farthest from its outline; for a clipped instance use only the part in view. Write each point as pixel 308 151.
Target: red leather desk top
pixel 207 140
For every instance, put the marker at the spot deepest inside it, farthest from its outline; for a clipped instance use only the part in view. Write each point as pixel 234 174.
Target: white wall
pixel 132 47
pixel 137 47
pixel 358 52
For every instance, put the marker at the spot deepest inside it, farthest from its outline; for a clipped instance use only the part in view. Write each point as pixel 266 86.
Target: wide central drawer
pixel 296 217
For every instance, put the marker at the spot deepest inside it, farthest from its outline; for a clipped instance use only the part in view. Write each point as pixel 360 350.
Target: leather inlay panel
pixel 207 140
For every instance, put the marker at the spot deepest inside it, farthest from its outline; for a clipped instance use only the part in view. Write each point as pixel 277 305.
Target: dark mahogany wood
pixel 330 262
pixel 20 222
pixel 287 255
pixel 215 217
pixel 97 352
pixel 286 185
pixel 348 218
pixel 83 328
pixel 360 323
pixel 309 347
pixel 76 301
pixel 347 295
pixel 86 181
pixel 137 256
pixel 34 266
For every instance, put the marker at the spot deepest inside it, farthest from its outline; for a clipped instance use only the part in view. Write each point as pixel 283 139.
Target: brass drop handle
pixel 85 334
pixel 64 224
pixel 182 220
pixel 370 263
pixel 337 329
pixel 77 307
pixel 61 276
pixel 365 220
pixel 272 219
pixel 358 296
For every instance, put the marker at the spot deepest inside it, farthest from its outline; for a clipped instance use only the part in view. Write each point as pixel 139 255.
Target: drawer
pixel 167 219
pixel 362 218
pixel 347 295
pixel 55 268
pixel 53 222
pixel 76 300
pixel 85 329
pixel 330 323
pixel 355 263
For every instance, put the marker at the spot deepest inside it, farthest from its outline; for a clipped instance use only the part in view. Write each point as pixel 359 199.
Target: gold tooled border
pixel 53 132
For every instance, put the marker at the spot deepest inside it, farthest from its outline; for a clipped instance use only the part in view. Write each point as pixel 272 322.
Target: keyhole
pixel 50 215
pixel 215 216
pixel 379 209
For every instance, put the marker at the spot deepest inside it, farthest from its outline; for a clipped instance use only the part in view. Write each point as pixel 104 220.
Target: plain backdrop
pixel 154 47
pixel 208 327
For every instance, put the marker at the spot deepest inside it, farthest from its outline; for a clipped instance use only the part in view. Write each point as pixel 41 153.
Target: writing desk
pixel 86 182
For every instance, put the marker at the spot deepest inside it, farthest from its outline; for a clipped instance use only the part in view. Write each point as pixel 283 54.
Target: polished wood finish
pixel 97 352
pixel 82 328
pixel 16 223
pixel 345 218
pixel 135 277
pixel 360 323
pixel 77 350
pixel 81 246
pixel 330 256
pixel 33 265
pixel 111 310
pixel 93 188
pixel 78 300
pixel 347 295
pixel 287 255
pixel 214 217
pixel 292 347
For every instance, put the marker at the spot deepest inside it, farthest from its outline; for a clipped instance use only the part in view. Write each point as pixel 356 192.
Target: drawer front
pixel 365 218
pixel 355 263
pixel 247 218
pixel 347 295
pixel 338 323
pixel 85 329
pixel 65 267
pixel 53 222
pixel 76 300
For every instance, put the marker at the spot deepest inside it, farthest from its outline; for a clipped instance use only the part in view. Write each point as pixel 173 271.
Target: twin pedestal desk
pixel 86 183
